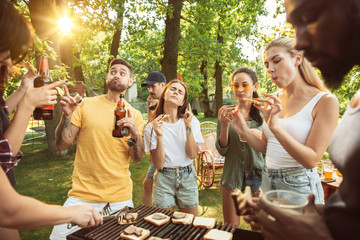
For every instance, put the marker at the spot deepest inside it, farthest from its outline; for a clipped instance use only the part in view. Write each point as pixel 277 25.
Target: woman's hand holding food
pixel 272 111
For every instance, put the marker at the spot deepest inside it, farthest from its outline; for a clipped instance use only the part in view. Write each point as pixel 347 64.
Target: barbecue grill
pixel 111 229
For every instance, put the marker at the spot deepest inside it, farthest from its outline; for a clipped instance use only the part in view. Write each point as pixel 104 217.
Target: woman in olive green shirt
pixel 243 164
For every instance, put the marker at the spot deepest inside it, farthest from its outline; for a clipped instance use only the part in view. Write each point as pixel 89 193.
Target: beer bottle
pixel 43 78
pixel 120 113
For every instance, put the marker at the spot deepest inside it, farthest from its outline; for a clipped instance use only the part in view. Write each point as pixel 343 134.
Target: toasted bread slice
pixel 240 199
pixel 265 105
pixel 129 218
pixel 134 233
pixel 215 234
pixel 157 219
pixel 204 222
pixel 186 220
pixel 157 238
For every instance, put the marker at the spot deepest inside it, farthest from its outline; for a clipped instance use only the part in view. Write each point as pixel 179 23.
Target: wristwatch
pixel 131 142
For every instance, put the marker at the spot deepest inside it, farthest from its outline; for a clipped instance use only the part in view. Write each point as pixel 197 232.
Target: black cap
pixel 154 77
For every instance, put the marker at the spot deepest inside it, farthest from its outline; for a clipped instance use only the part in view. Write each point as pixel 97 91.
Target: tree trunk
pixel 172 37
pixel 218 78
pixel 114 49
pixel 42 14
pixel 204 95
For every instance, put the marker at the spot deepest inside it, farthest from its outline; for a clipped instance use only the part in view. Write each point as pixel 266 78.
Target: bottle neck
pixel 44 67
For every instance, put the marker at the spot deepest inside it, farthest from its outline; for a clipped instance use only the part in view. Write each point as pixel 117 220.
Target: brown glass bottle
pixel 43 78
pixel 120 113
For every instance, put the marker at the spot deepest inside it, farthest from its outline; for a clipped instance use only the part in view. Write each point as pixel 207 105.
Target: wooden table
pixel 330 187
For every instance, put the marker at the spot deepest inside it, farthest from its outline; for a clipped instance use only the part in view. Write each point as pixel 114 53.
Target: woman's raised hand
pixel 271 112
pixel 188 115
pixel 158 122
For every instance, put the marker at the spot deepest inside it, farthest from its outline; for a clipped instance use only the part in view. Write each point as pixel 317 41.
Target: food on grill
pixel 215 234
pixel 240 199
pixel 204 222
pixel 157 238
pixel 157 219
pixel 129 218
pixel 134 233
pixel 182 218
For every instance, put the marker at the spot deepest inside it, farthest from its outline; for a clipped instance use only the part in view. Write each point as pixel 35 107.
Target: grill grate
pixel 111 229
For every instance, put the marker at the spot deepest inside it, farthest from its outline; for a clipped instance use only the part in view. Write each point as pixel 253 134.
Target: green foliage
pixel 348 89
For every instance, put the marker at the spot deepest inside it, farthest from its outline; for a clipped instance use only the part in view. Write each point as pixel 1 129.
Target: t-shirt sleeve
pixel 150 141
pixel 195 124
pixel 76 116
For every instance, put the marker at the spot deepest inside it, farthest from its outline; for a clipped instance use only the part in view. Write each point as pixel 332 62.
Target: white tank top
pixel 298 126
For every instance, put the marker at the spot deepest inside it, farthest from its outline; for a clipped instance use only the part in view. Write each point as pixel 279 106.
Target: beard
pixel 116 86
pixel 335 73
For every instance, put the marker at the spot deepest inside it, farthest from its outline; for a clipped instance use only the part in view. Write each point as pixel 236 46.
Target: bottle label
pixel 50 107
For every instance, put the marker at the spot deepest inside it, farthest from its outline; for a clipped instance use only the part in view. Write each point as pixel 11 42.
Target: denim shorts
pixel 253 179
pixel 298 179
pixel 151 171
pixel 176 186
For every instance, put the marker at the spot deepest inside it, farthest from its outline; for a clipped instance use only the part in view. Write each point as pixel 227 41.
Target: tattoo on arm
pixel 188 129
pixel 68 127
pixel 64 124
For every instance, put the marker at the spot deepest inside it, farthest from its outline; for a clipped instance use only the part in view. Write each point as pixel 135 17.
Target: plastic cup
pixel 328 170
pixel 287 200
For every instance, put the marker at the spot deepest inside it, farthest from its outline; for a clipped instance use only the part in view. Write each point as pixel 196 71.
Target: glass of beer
pixel 286 200
pixel 328 170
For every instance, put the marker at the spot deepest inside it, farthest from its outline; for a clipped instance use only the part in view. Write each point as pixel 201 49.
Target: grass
pixel 48 179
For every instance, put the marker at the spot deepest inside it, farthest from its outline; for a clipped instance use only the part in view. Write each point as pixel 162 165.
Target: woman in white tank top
pixel 298 122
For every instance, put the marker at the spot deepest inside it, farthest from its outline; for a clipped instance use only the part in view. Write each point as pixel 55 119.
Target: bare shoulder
pixel 327 106
pixel 328 101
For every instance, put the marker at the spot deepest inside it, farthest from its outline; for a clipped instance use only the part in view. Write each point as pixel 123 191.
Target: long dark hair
pixel 15 36
pixel 160 107
pixel 254 112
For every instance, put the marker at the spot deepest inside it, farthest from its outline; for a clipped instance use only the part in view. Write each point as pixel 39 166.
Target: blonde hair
pixel 307 72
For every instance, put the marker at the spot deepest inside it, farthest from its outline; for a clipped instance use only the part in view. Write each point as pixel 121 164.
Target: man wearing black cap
pixel 155 82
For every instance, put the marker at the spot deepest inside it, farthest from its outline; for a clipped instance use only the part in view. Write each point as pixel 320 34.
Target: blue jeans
pixel 298 179
pixel 253 180
pixel 176 186
pixel 151 171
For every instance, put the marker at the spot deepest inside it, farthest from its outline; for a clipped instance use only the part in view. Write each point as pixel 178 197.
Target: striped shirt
pixel 7 161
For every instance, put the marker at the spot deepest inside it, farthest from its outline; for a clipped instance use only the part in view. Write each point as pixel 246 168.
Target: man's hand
pixel 68 103
pixel 287 225
pixel 85 216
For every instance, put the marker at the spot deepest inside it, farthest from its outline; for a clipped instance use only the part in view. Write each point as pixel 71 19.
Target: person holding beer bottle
pixel 18 211
pixel 101 168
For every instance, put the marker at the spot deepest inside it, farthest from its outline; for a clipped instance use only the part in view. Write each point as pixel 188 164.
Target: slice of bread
pixel 157 219
pixel 144 233
pixel 204 222
pixel 215 234
pixel 185 220
pixel 157 238
pixel 240 199
pixel 129 218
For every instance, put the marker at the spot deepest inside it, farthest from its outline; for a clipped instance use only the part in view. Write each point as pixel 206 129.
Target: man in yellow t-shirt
pixel 101 168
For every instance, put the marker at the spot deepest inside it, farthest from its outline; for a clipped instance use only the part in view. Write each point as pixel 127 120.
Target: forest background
pixel 202 41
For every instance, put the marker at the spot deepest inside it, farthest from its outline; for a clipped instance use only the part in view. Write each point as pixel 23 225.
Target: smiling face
pixel 119 78
pixel 328 32
pixel 280 66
